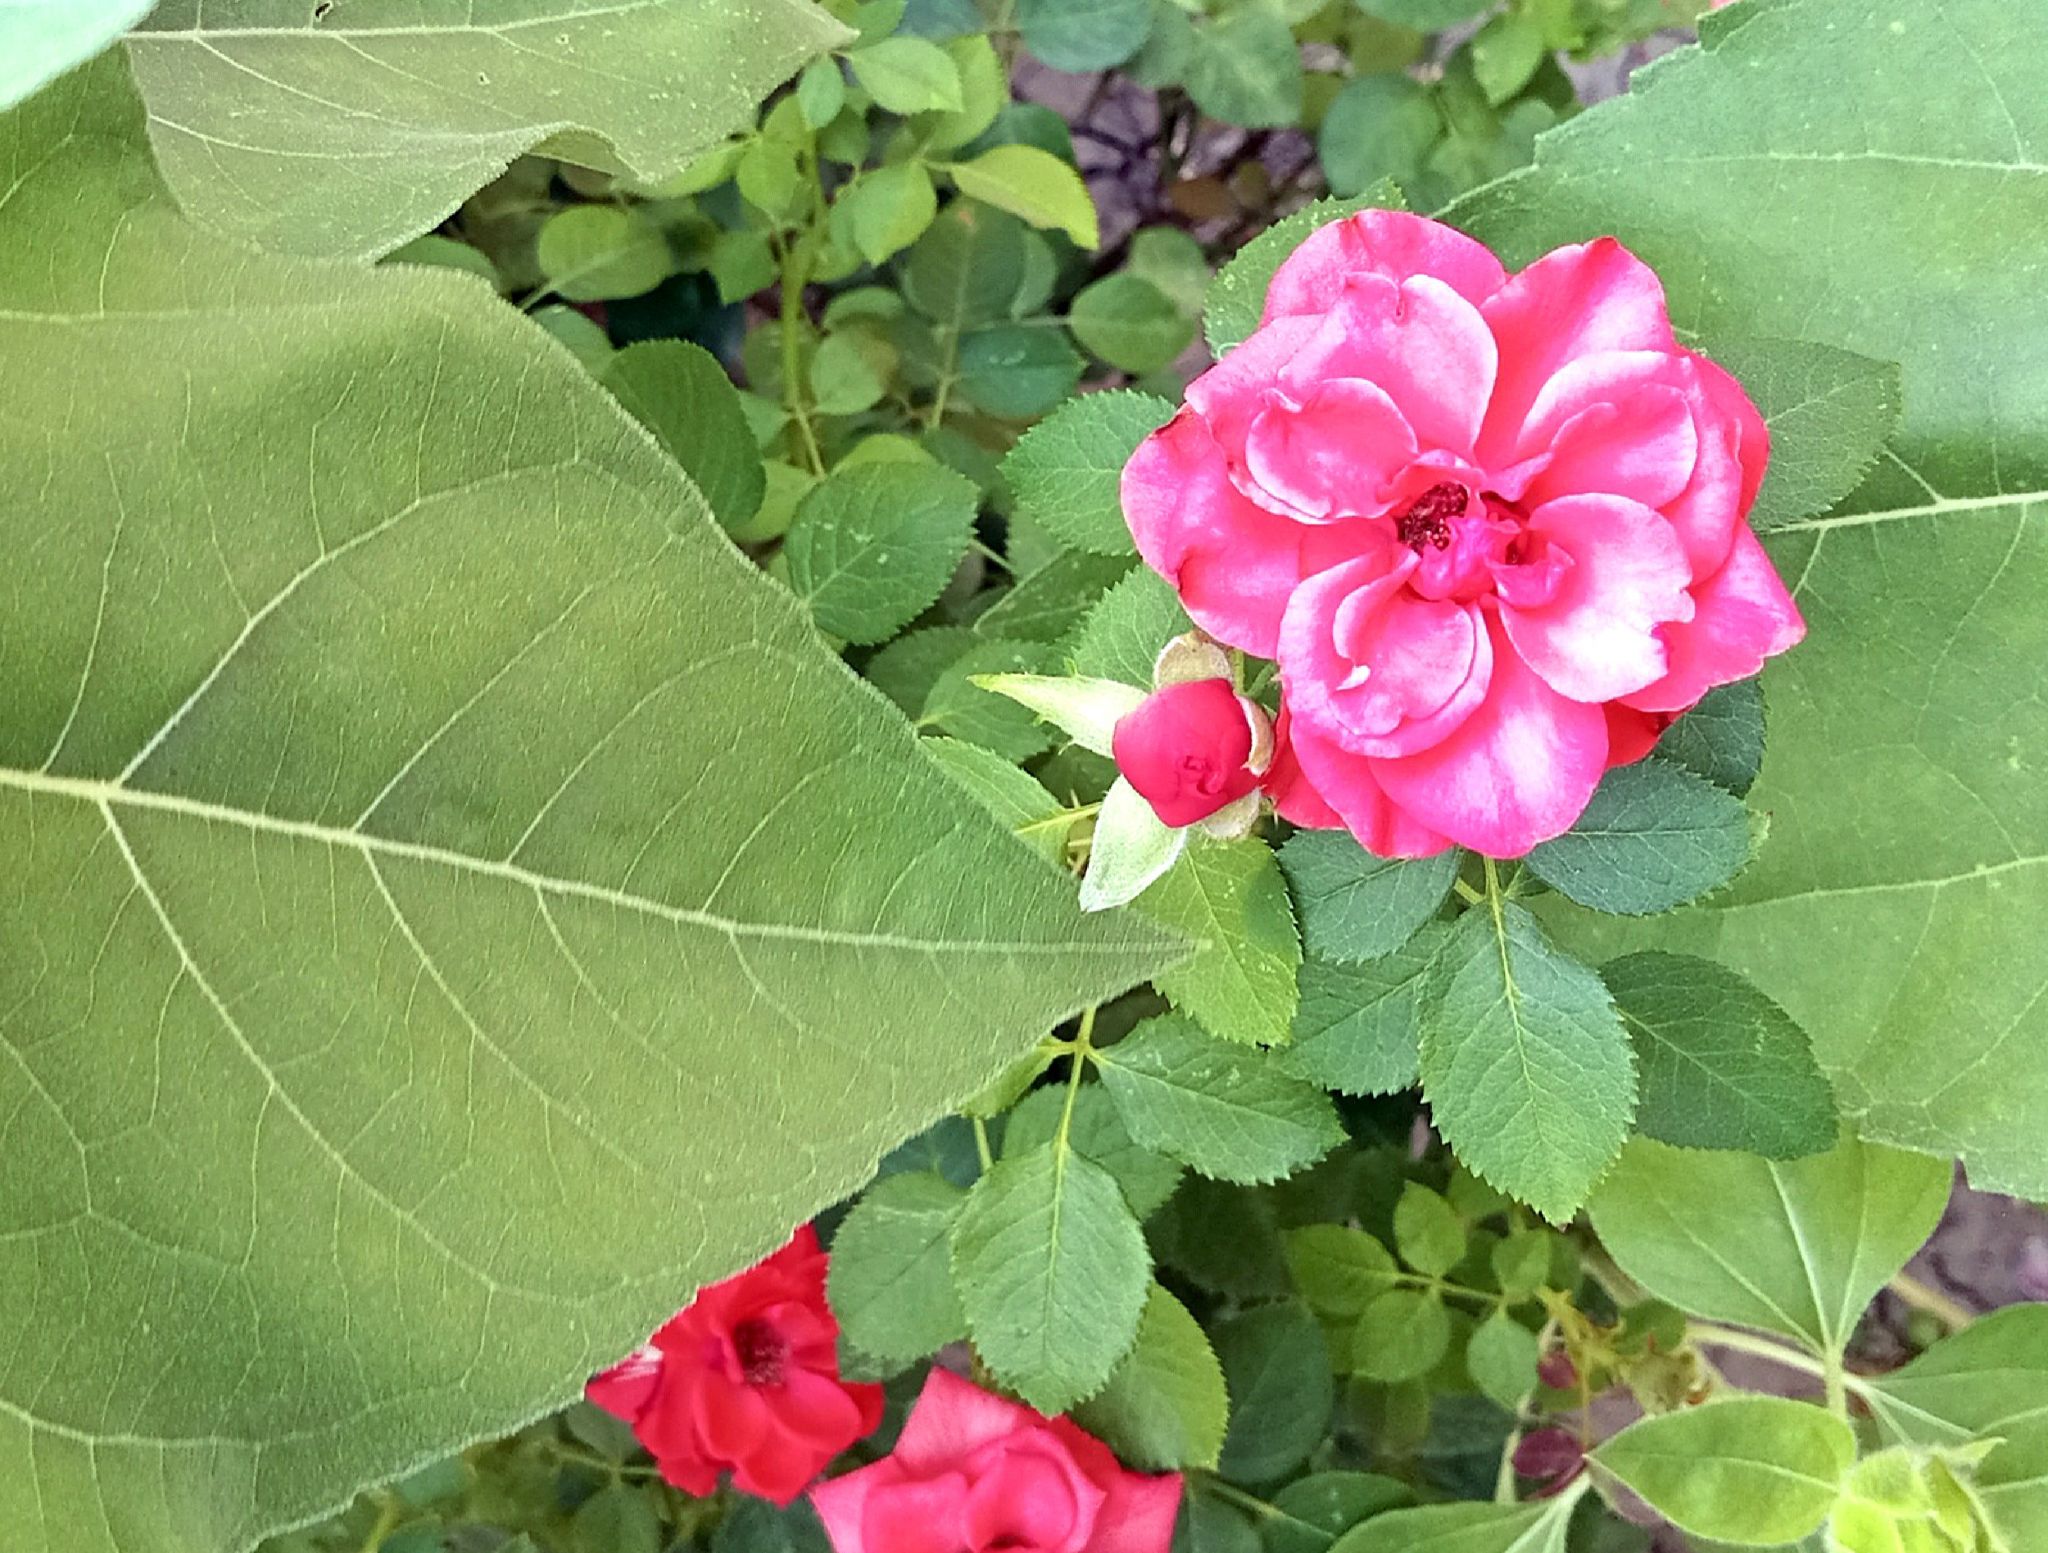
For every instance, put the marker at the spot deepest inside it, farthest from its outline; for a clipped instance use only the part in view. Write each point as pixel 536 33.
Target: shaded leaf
pixel 1830 413
pixel 1124 634
pixel 891 1282
pixel 679 392
pixel 1166 1408
pixel 1358 1029
pixel 345 130
pixel 1280 1390
pixel 1355 906
pixel 1722 738
pixel 1231 899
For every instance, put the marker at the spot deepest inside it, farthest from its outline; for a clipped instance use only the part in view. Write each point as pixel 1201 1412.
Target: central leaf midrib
pixel 93 793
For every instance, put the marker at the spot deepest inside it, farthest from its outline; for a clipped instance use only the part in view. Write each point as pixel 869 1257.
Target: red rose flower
pixel 974 1473
pixel 746 1378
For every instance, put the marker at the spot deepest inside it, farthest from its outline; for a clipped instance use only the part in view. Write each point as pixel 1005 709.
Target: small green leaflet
pixel 1084 34
pixel 1315 1510
pixel 1281 1390
pixel 958 706
pixel 1231 899
pixel 1033 185
pixel 1830 413
pixel 1339 1270
pixel 1228 1112
pixel 1355 906
pixel 1985 1382
pixel 968 268
pixel 1359 1027
pixel 598 253
pixel 1053 1271
pixel 1653 837
pixel 1125 633
pixel 1720 1065
pixel 1468 1528
pixel 1380 129
pixel 1721 739
pixel 1525 1064
pixel 907 75
pixel 1097 1134
pixel 1427 1231
pixel 891 1283
pixel 872 546
pixel 1501 1359
pixel 41 39
pixel 1166 1408
pixel 1800 1247
pixel 1130 323
pixel 1048 604
pixel 1749 1470
pixel 1066 470
pixel 347 130
pixel 1400 1335
pixel 1245 69
pixel 679 392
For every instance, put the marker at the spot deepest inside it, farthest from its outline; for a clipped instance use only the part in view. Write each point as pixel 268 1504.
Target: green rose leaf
pixel 1245 69
pixel 968 268
pixel 1016 798
pixel 1066 471
pixel 1018 372
pixel 1053 1271
pixel 872 546
pixel 1358 1029
pixel 1379 127
pixel 889 209
pixel 1229 1113
pixel 385 848
pixel 1653 837
pixel 596 253
pixel 1894 916
pixel 1084 34
pixel 41 39
pixel 1130 323
pixel 1720 1065
pixel 1281 1390
pixel 960 707
pixel 1423 15
pixel 1830 413
pixel 908 75
pixel 1501 1359
pixel 1097 1134
pixel 1427 1231
pixel 1048 604
pixel 347 129
pixel 1722 738
pixel 1467 1528
pixel 1525 1064
pixel 1753 1471
pixel 891 1282
pixel 1355 906
pixel 1123 635
pixel 1339 1270
pixel 1798 1247
pixel 1317 1509
pixel 1034 185
pixel 1232 898
pixel 1166 1408
pixel 1237 296
pixel 1985 1382
pixel 1400 1335
pixel 680 393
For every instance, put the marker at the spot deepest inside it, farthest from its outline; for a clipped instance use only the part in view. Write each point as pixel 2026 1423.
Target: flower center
pixel 761 1350
pixel 1427 519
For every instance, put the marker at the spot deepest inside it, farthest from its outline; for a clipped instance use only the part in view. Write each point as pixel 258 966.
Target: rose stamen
pixel 1427 519
pixel 761 1351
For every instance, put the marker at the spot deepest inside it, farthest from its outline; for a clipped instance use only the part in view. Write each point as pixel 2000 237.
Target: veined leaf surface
pixel 453 906
pixel 350 128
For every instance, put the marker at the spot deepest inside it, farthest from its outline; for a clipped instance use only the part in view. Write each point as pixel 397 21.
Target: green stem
pixel 1951 1313
pixel 799 258
pixel 1083 1047
pixel 1837 1381
pixel 1230 1494
pixel 388 1517
pixel 1467 894
pixel 981 1147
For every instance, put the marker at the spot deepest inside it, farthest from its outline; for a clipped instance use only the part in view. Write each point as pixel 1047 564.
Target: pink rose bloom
pixel 973 1473
pixel 746 1379
pixel 1192 748
pixel 1490 526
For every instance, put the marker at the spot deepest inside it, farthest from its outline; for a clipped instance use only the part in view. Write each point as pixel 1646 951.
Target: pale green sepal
pixel 1132 848
pixel 1085 710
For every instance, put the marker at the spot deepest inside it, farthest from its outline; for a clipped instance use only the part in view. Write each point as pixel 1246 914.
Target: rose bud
pixel 1193 748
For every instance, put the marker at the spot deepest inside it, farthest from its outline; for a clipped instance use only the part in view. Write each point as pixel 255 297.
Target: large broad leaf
pixel 348 128
pixel 1799 1247
pixel 41 39
pixel 1988 1381
pixel 1895 911
pixel 453 906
